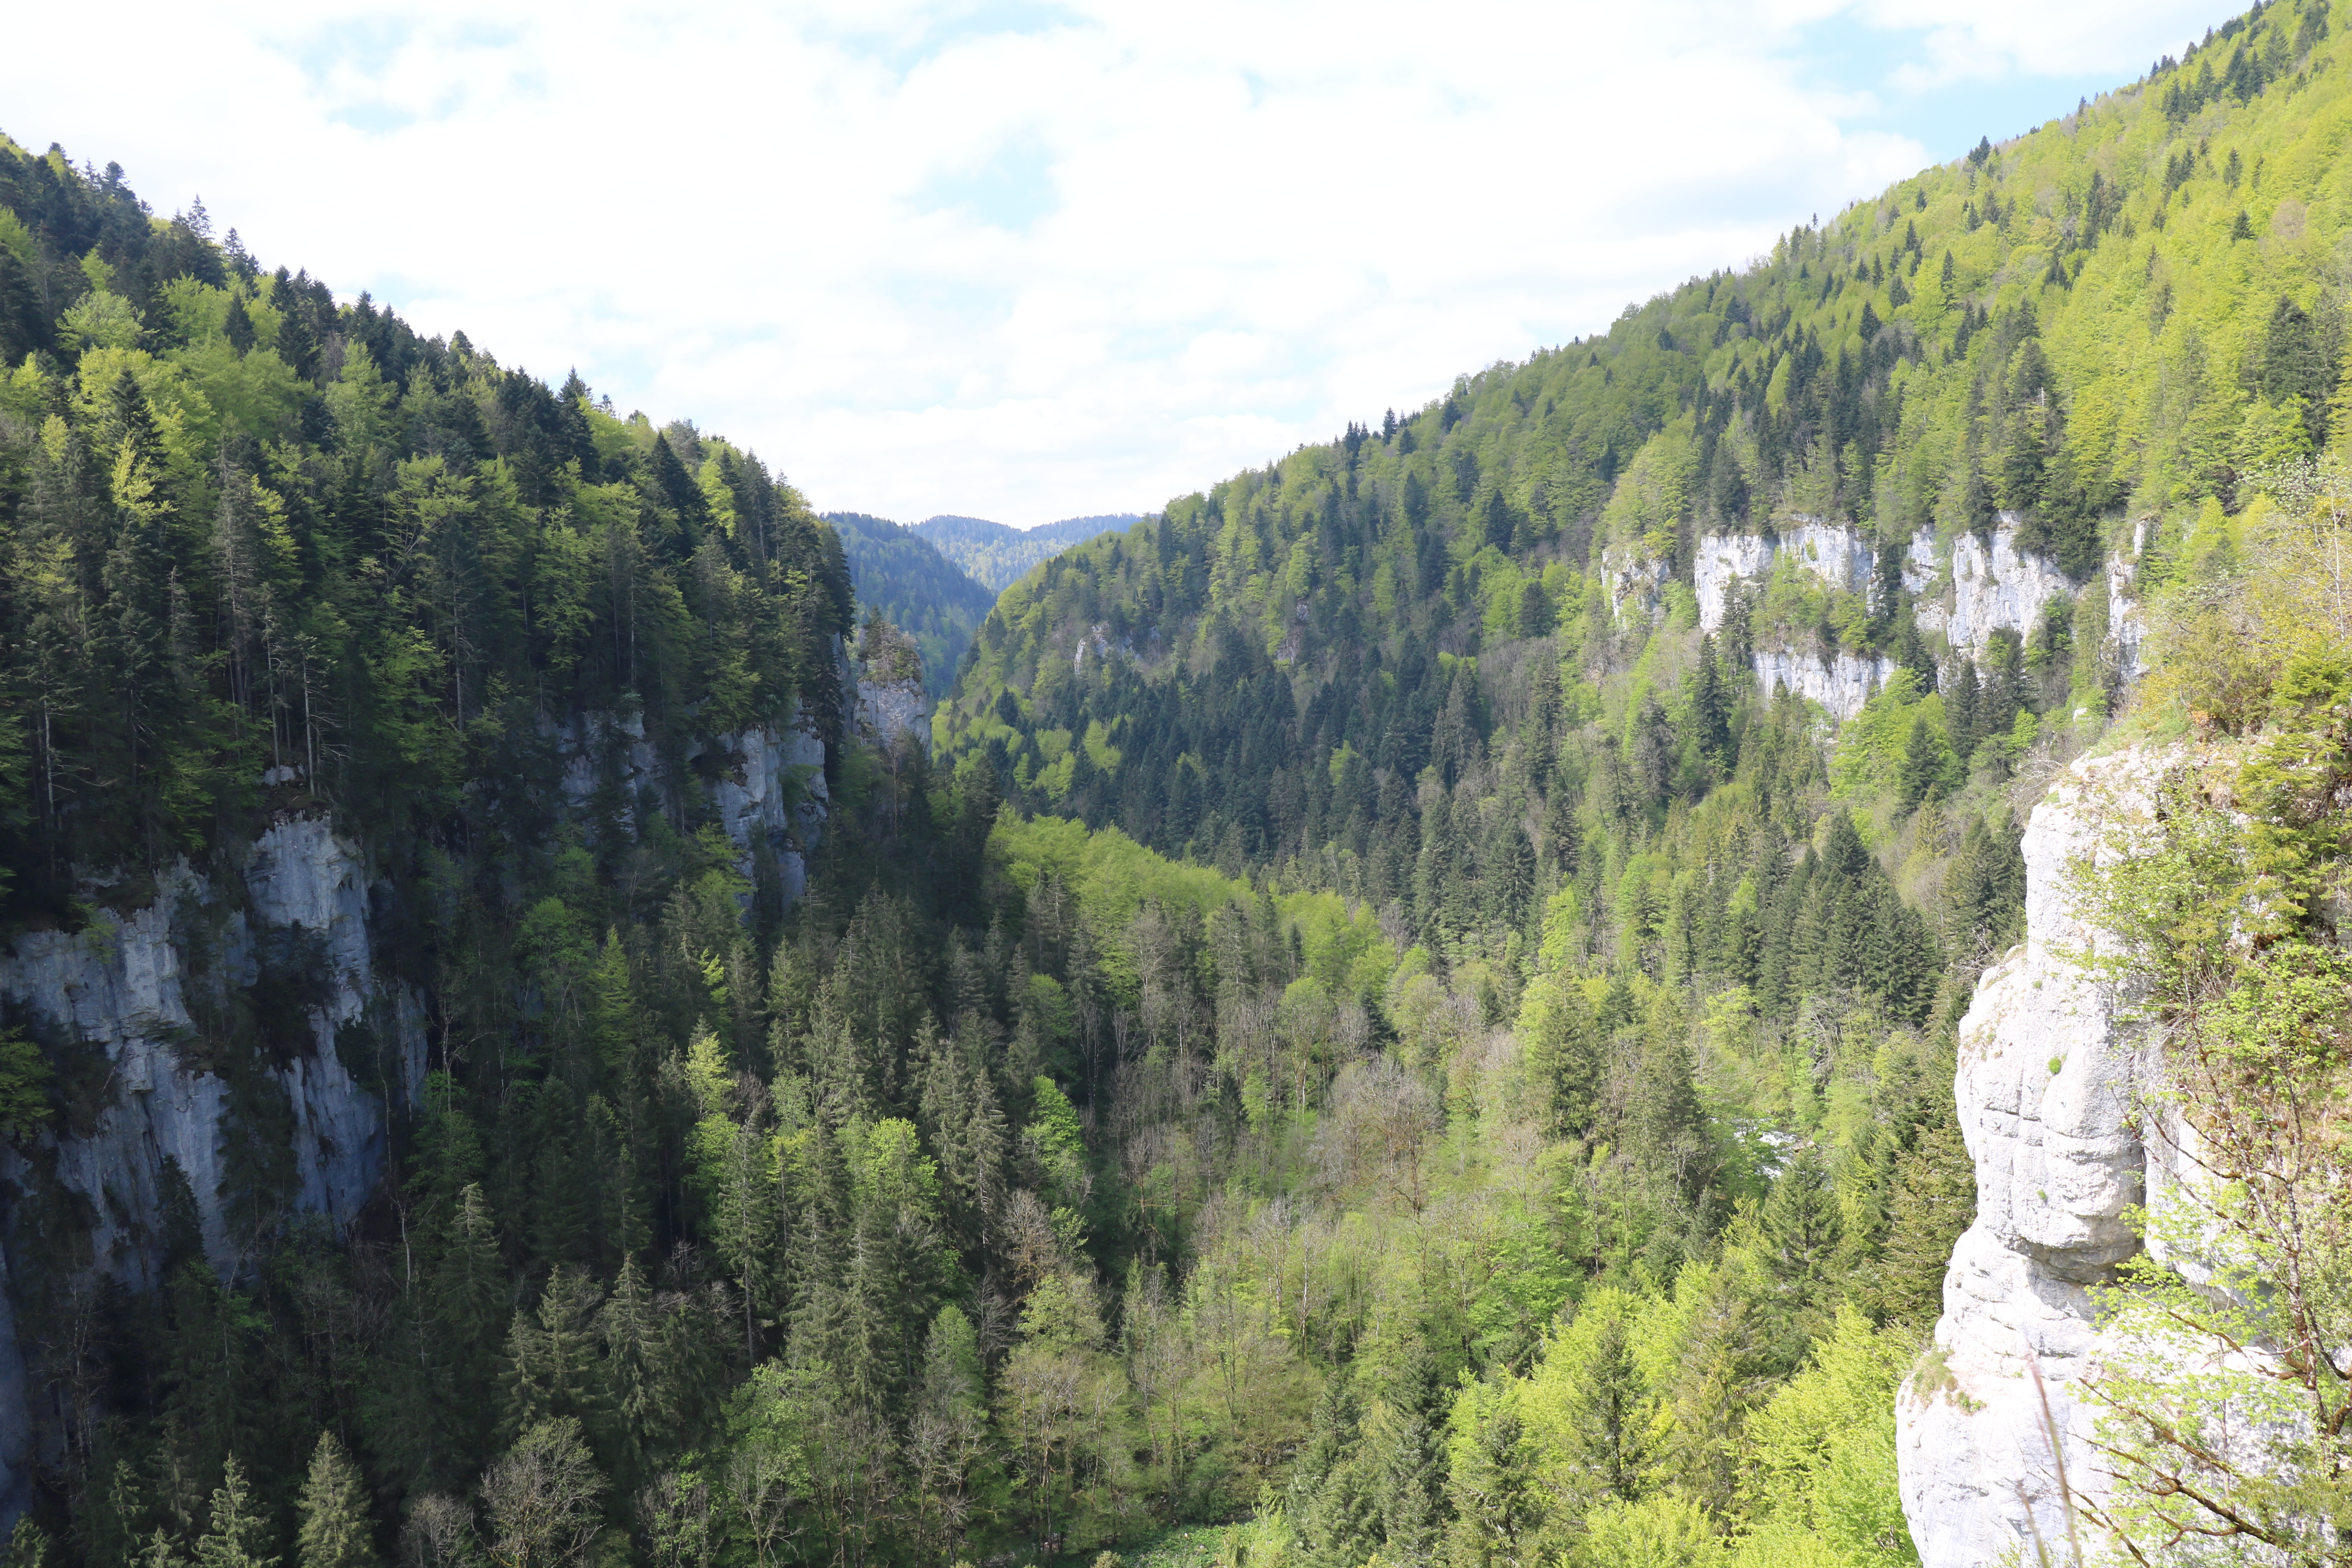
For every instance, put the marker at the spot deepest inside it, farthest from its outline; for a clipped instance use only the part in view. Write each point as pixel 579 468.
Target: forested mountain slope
pixel 996 555
pixel 1504 672
pixel 1379 1027
pixel 900 574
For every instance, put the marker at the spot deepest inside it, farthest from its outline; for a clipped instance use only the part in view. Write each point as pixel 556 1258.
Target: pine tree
pixel 239 325
pixel 1410 1457
pixel 28 1544
pixel 1710 705
pixel 1932 1200
pixel 1489 1477
pixel 335 1531
pixel 1612 1431
pixel 631 1400
pixel 748 1217
pixel 1334 1507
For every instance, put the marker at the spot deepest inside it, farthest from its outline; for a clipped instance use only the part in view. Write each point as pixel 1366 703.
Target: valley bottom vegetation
pixel 1369 1034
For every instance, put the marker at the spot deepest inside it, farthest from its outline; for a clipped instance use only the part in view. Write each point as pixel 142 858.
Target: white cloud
pixel 1024 260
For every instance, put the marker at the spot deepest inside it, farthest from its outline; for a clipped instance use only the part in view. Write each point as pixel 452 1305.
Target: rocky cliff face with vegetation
pixel 1456 996
pixel 2052 1080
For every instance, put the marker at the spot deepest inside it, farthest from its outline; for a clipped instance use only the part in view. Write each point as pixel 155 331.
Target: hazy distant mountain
pixel 996 555
pixel 917 589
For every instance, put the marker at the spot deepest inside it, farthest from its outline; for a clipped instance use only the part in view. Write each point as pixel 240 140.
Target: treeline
pixel 255 535
pixel 997 556
pixel 2125 314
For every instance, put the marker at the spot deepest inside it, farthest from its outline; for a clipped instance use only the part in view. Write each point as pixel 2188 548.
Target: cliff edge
pixel 2048 1084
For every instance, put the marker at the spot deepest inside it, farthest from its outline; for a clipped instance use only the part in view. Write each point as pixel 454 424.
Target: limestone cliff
pixel 891 703
pixel 287 927
pixel 2048 1079
pixel 282 932
pixel 1841 682
pixel 1968 591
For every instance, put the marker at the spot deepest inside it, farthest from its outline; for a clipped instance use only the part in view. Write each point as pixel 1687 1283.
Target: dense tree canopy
pixel 1367 1020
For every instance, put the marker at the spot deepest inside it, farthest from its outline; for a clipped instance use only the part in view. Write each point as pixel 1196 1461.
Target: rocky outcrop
pixel 2126 628
pixel 1637 587
pixel 285 931
pixel 1996 586
pixel 2047 1091
pixel 1992 584
pixel 1838 554
pixel 770 786
pixel 1841 682
pixel 890 700
pixel 1721 564
pixel 766 780
pixel 149 991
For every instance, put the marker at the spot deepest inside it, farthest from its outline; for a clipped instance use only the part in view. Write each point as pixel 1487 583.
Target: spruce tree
pixel 335 1531
pixel 1801 1227
pixel 1411 1457
pixel 1920 778
pixel 239 1533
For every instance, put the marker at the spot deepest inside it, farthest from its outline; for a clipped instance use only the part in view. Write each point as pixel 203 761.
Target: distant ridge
pixel 916 589
pixel 997 555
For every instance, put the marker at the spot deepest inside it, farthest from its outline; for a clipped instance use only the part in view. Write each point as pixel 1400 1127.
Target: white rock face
pixel 770 780
pixel 134 987
pixel 129 987
pixel 1997 587
pixel 2125 624
pixel 774 785
pixel 1635 587
pixel 889 709
pixel 1839 555
pixel 2046 1089
pixel 1840 684
pixel 1723 560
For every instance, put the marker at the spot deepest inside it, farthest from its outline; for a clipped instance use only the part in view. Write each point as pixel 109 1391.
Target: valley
pixel 1721 947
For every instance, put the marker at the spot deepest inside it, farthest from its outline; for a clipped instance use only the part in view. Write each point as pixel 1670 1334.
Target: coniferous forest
pixel 1369 1034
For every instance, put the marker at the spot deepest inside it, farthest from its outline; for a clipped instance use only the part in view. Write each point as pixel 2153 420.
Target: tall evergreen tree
pixel 335 1532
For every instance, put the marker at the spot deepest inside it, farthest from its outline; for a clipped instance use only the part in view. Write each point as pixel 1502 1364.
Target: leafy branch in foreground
pixel 2226 1403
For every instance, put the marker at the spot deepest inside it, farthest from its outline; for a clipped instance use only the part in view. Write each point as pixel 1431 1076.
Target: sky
pixel 1022 260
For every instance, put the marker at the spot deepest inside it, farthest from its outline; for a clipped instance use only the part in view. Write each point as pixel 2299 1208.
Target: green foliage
pixel 996 557
pixel 369 576
pixel 1823 1448
pixel 24 1079
pixel 335 1528
pixel 1372 1018
pixel 904 578
pixel 237 1533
